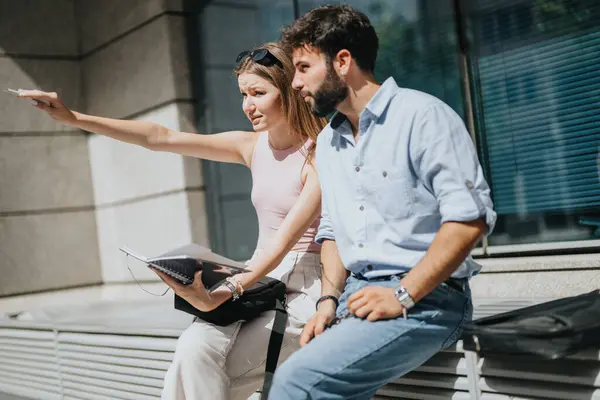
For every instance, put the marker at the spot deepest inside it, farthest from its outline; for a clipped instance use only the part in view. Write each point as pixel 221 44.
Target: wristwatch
pixel 234 294
pixel 404 297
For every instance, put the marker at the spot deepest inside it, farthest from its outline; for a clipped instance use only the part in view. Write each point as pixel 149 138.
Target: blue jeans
pixel 354 358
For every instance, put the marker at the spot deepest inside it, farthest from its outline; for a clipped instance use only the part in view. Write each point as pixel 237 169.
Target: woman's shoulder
pixel 250 135
pixel 247 143
pixel 242 136
pixel 247 138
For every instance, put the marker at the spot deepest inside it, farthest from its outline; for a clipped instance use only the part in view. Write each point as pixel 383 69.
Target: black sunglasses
pixel 259 56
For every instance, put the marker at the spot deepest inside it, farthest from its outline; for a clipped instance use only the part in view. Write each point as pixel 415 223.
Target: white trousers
pixel 227 362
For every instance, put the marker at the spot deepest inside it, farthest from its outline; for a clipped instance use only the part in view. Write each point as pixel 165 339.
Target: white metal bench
pixel 122 351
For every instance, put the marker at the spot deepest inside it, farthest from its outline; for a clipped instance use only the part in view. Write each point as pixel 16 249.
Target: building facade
pixel 522 73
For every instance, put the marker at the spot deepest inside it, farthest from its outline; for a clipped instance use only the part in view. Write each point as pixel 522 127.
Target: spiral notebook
pixel 182 264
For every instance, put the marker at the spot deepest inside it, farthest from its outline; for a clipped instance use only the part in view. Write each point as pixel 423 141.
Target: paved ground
pixel 4 396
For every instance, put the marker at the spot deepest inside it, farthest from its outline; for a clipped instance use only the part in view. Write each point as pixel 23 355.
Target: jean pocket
pixel 454 291
pixel 438 297
pixel 465 316
pixel 352 286
pixel 444 287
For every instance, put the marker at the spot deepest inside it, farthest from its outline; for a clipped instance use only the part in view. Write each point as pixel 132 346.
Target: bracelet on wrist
pixel 328 297
pixel 234 294
pixel 238 285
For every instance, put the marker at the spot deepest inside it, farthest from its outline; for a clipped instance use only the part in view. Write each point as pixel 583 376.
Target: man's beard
pixel 330 94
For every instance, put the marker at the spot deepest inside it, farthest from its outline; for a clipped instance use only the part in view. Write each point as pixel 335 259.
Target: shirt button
pixel 361 208
pixel 370 267
pixel 469 184
pixel 357 169
pixel 360 245
pixel 384 174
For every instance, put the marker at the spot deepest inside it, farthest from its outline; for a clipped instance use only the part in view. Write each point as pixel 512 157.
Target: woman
pixel 213 362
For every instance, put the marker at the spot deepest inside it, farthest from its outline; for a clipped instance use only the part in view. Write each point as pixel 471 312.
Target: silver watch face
pixel 404 297
pixel 399 291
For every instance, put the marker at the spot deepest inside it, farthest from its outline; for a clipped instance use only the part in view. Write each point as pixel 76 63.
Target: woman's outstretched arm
pixel 233 146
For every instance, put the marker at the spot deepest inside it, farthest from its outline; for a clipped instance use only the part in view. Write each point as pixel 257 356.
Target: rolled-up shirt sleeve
pixel 325 231
pixel 444 157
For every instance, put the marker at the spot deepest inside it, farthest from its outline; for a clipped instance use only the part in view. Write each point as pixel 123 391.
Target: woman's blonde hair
pixel 301 119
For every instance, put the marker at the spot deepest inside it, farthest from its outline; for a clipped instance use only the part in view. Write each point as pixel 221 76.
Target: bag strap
pixel 275 342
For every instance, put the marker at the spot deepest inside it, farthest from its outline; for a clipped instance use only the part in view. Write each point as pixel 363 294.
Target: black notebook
pixel 183 263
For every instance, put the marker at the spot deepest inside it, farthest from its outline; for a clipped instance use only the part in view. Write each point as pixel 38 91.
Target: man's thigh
pixel 353 359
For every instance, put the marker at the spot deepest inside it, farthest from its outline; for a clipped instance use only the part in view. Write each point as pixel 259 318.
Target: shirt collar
pixel 376 106
pixel 337 120
pixel 382 98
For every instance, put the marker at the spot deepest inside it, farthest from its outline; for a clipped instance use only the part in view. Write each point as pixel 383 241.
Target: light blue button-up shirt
pixel 386 195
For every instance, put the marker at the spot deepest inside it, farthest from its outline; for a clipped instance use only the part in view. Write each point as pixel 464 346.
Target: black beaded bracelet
pixel 328 297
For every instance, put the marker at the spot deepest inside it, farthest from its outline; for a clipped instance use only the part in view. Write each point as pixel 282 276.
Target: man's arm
pixel 448 250
pixel 334 274
pixel 452 244
pixel 332 284
pixel 445 161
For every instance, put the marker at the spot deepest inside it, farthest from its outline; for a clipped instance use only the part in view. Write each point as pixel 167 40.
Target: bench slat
pixel 521 387
pixel 586 373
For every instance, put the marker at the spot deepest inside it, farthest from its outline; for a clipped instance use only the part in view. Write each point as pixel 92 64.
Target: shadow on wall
pixel 48 234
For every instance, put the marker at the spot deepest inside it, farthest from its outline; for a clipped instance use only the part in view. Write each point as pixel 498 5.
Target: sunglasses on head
pixel 259 56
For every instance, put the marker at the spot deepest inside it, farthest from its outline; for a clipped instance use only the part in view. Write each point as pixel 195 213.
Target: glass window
pixel 417 44
pixel 535 88
pixel 226 30
pixel 539 116
pixel 272 16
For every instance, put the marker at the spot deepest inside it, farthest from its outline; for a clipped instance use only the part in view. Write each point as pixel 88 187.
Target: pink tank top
pixel 276 185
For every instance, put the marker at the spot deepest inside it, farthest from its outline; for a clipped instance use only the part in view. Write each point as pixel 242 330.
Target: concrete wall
pixel 47 220
pixel 68 200
pixel 135 66
pixel 538 276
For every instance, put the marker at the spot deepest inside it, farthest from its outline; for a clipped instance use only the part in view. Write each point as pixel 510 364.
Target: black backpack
pixel 551 330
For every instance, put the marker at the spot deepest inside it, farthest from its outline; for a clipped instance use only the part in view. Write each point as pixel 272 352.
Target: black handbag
pixel 265 295
pixel 261 297
pixel 551 330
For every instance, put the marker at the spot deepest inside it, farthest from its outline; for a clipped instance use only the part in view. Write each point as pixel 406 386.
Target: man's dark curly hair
pixel 333 28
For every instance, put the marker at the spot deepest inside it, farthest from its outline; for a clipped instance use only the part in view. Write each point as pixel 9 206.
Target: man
pixel 404 203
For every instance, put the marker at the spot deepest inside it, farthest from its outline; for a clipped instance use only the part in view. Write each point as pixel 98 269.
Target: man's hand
pixel 374 303
pixel 318 322
pixel 195 293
